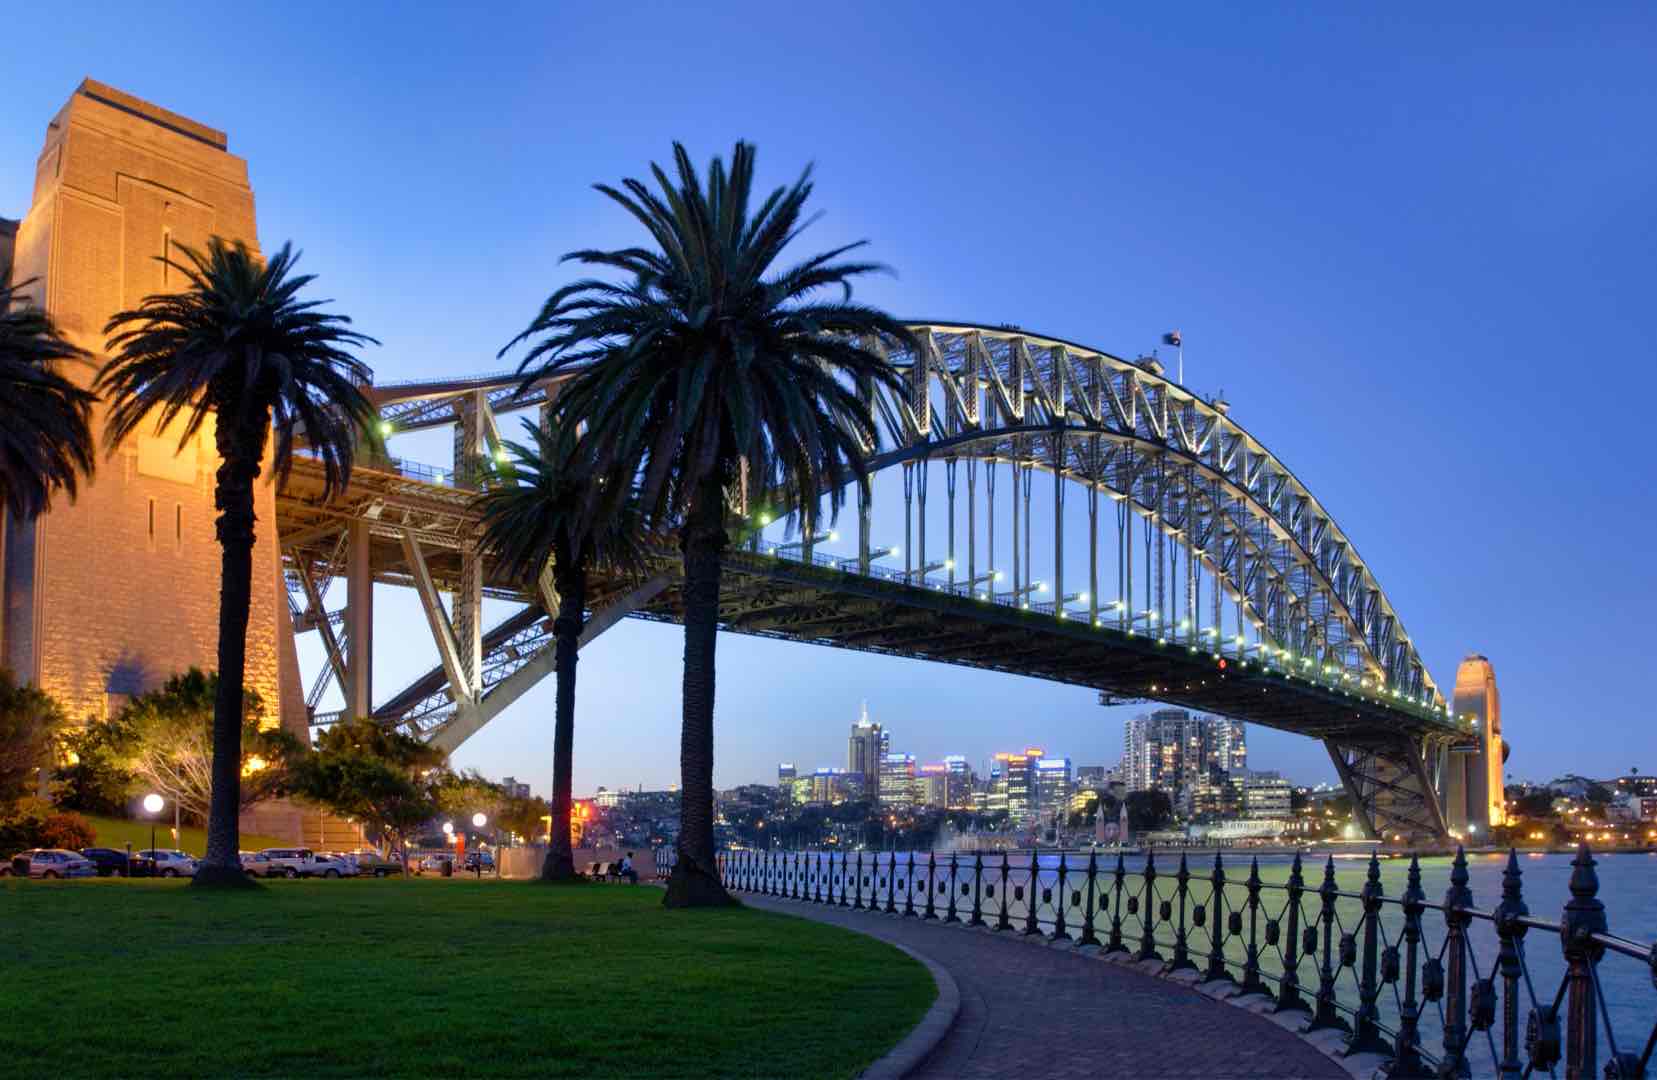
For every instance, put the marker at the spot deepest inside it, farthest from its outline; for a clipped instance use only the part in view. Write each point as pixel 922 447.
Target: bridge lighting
pixel 833 537
pixel 949 564
pixel 386 429
pixel 764 519
pixel 1041 586
pixel 998 576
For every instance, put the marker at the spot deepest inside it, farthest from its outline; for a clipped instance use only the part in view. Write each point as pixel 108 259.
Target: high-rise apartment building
pixel 1173 751
pixel 1052 783
pixel 960 782
pixel 932 786
pixel 1018 773
pixel 897 781
pixel 867 748
pixel 1266 795
pixel 786 772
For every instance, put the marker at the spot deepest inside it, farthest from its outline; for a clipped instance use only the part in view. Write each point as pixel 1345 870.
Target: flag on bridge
pixel 1171 338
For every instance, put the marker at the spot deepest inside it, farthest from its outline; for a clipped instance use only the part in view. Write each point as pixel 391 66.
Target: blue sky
pixel 1414 249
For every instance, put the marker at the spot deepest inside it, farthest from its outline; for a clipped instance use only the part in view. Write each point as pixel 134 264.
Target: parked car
pixel 291 862
pixel 109 861
pixel 479 859
pixel 258 864
pixel 330 864
pixel 52 863
pixel 433 864
pixel 370 861
pixel 168 862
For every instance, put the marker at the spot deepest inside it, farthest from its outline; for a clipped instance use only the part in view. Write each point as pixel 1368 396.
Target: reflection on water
pixel 1627 888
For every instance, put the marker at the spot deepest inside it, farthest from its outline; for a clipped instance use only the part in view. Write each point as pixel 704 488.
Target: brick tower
pixel 107 597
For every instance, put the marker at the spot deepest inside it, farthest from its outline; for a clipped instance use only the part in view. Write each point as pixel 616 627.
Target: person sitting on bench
pixel 625 869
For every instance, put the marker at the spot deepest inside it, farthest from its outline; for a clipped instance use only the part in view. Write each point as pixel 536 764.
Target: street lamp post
pixel 152 806
pixel 479 820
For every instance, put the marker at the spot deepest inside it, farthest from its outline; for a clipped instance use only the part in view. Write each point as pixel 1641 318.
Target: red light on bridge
pixel 1222 662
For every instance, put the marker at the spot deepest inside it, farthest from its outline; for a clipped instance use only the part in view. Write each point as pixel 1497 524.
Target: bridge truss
pixel 1214 579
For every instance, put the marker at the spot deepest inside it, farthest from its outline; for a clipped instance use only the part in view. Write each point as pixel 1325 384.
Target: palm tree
pixel 239 345
pixel 536 518
pixel 706 374
pixel 45 419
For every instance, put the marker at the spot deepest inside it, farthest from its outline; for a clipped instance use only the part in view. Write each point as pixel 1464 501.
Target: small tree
pixel 524 815
pixel 1148 809
pixel 97 778
pixel 31 723
pixel 170 740
pixel 384 778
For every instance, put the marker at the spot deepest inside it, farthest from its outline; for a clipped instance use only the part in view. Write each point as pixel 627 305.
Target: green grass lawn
pixel 117 833
pixel 113 977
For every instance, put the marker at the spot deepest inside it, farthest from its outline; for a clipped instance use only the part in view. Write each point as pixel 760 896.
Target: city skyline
pixel 1421 274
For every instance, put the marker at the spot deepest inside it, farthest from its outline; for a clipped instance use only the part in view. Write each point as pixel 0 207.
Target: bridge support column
pixel 359 622
pixel 467 604
pixel 1391 789
pixel 862 529
pixel 1058 526
pixel 949 554
pixel 1018 577
pixel 908 523
pixel 922 468
pixel 1093 553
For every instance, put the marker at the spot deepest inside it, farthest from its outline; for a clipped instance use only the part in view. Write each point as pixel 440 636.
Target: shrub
pixel 66 829
pixel 32 823
pixel 21 824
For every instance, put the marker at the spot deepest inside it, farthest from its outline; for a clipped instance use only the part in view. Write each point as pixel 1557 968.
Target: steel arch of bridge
pixel 1205 500
pixel 1180 461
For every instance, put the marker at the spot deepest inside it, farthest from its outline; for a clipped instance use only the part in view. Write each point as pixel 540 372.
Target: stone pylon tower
pixel 1473 789
pixel 107 597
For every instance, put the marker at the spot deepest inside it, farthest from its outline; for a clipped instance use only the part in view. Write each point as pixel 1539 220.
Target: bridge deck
pixel 826 605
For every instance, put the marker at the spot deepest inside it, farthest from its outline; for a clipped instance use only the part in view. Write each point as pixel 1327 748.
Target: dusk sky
pixel 1415 250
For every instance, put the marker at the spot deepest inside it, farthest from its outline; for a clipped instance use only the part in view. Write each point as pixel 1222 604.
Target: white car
pixel 257 864
pixel 331 864
pixel 172 863
pixel 303 862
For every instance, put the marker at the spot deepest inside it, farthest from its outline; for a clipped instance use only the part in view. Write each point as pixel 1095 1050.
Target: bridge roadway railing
pixel 1440 989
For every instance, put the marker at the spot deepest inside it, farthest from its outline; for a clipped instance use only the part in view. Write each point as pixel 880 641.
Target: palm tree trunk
pixel 695 878
pixel 566 632
pixel 234 498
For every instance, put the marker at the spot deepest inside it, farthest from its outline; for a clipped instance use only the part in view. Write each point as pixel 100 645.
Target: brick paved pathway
pixel 1030 1011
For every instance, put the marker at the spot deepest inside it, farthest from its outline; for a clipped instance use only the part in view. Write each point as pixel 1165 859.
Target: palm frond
pixel 239 345
pixel 46 442
pixel 706 355
pixel 538 513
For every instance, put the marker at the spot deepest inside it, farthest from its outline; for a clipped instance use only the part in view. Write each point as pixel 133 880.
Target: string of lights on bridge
pixel 1286 659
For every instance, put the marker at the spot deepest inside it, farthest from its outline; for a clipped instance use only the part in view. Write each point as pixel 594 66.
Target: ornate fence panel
pixel 1445 988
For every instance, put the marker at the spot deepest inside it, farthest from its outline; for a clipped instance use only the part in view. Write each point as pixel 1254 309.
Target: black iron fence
pixel 1441 989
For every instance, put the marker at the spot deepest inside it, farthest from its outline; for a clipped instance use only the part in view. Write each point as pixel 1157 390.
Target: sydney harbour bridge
pixel 1215 580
